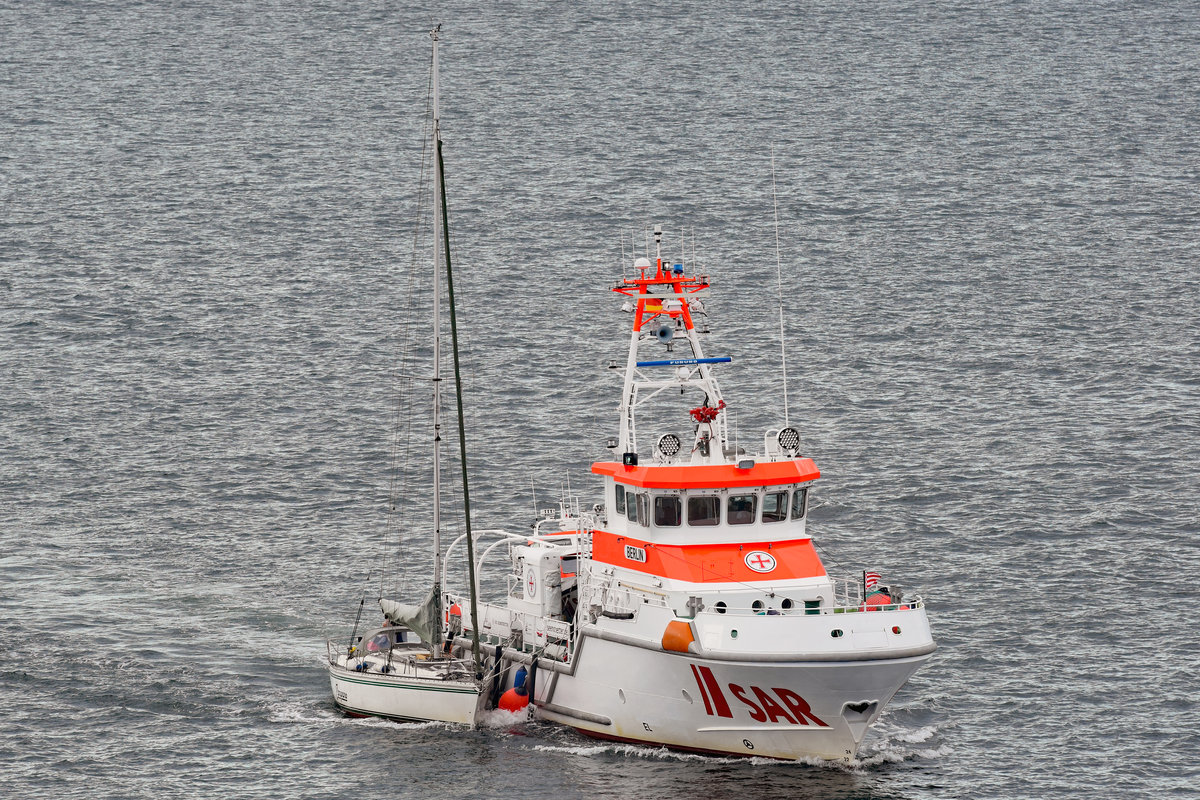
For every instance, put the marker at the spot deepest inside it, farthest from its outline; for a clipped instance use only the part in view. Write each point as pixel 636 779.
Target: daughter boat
pixel 689 609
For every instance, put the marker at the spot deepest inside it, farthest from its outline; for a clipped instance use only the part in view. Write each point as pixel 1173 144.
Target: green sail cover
pixel 421 618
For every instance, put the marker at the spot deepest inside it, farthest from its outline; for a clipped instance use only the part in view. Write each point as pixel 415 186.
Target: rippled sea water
pixel 989 262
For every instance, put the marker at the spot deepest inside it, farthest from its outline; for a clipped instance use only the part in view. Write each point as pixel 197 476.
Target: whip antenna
pixel 779 284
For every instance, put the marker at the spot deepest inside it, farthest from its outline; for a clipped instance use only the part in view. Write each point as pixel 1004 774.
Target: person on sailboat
pixel 385 638
pixel 381 642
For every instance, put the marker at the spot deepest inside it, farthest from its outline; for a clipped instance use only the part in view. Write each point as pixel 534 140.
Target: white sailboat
pixel 408 670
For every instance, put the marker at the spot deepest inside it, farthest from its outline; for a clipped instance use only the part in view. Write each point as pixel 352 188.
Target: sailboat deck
pixel 405 660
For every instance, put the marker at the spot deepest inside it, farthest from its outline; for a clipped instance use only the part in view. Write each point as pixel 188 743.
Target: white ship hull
pixel 786 710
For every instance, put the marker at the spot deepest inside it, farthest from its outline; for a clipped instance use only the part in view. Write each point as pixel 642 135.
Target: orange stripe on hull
pixel 710 563
pixel 709 476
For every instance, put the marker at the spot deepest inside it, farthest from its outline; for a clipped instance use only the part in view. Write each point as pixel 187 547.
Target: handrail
pixel 845 600
pixel 800 611
pixel 505 536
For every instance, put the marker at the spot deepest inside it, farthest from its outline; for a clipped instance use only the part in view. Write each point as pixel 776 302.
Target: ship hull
pixel 785 710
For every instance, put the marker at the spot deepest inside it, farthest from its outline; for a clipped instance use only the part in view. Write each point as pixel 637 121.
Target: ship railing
pixel 801 610
pixel 501 539
pixel 851 595
pixel 622 598
pixel 525 631
pixel 399 639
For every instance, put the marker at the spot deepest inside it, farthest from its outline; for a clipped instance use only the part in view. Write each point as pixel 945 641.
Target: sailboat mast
pixel 462 427
pixel 437 350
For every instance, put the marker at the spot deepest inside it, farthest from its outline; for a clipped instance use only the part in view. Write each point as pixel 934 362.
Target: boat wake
pixel 893 746
pixel 896 745
pixel 499 718
pixel 324 714
pixel 639 751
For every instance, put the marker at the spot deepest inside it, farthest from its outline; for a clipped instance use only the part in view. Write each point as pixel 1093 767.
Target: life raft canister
pixel 877 599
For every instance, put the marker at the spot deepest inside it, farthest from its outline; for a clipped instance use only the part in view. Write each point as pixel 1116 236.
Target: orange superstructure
pixel 710 563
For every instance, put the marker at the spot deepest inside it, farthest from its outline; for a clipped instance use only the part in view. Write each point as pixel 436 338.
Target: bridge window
pixel 742 508
pixel 643 504
pixel 775 506
pixel 704 510
pixel 800 503
pixel 620 503
pixel 631 507
pixel 667 512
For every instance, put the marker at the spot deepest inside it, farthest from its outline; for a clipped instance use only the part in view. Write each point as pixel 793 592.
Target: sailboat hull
pixel 404 697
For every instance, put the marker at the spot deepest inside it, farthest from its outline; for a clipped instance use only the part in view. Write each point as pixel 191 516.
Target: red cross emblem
pixel 759 561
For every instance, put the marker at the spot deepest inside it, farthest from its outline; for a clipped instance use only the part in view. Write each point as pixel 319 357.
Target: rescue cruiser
pixel 689 609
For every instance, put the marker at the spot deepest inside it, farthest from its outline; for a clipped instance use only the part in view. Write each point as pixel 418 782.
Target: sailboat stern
pixel 401 681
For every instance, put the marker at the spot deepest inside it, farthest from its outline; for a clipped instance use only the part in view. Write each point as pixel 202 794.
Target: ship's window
pixel 742 508
pixel 800 503
pixel 620 504
pixel 667 512
pixel 631 507
pixel 775 507
pixel 704 510
pixel 643 503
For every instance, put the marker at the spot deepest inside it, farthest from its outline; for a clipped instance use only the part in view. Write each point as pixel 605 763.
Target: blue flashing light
pixel 685 362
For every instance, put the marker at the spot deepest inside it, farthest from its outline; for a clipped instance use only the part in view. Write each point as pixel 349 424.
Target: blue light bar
pixel 685 362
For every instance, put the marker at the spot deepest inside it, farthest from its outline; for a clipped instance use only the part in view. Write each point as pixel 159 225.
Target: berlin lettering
pixel 775 705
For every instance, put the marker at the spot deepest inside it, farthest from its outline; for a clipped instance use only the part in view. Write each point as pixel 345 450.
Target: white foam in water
pixel 308 714
pixel 894 746
pixel 913 737
pixel 499 718
pixel 282 710
pixel 897 755
pixel 666 754
pixel 634 751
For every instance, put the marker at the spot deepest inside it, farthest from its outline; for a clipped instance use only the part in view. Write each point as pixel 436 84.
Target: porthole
pixel 836 633
pixel 786 605
pixel 758 606
pixel 733 634
pixel 719 607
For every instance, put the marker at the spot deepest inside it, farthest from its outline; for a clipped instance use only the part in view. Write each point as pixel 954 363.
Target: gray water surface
pixel 989 265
